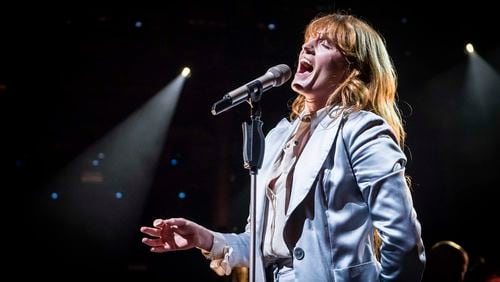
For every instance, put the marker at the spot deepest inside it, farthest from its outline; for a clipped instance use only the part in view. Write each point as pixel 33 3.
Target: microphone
pixel 274 77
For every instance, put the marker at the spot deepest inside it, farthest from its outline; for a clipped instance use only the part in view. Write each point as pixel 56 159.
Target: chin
pixel 297 86
pixel 300 89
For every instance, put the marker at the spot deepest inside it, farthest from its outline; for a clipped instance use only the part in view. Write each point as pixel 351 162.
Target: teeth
pixel 305 61
pixel 305 65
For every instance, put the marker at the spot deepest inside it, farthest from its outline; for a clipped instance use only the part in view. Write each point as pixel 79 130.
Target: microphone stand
pixel 253 154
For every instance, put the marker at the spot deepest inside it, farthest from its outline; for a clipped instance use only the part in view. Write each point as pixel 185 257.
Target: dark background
pixel 68 76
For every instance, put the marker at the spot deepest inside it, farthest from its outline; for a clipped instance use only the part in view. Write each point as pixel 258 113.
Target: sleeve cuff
pixel 217 251
pixel 221 266
pixel 219 254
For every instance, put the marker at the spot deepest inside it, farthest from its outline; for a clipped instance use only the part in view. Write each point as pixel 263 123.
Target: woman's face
pixel 320 70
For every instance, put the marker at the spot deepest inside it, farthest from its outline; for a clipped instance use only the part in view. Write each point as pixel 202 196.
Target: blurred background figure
pixel 446 261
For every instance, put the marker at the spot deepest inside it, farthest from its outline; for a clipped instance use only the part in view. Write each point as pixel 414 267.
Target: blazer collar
pixel 312 158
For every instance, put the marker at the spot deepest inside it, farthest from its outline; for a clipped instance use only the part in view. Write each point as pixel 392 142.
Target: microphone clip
pixel 255 90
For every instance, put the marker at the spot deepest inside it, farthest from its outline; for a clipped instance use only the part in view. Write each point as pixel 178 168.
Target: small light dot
pixel 182 195
pixel 54 196
pixel 95 162
pixel 469 48
pixel 138 24
pixel 271 26
pixel 186 72
pixel 173 162
pixel 100 156
pixel 118 195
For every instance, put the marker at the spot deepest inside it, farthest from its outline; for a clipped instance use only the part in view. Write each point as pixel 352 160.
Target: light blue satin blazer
pixel 348 180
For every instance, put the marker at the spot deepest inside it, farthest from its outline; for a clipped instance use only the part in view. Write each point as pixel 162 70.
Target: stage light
pixel 181 195
pixel 127 159
pixel 138 24
pixel 173 162
pixel 186 72
pixel 469 48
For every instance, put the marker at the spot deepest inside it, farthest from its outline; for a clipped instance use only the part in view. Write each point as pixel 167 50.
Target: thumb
pixel 158 223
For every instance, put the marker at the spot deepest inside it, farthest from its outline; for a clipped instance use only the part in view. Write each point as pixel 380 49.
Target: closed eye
pixel 325 44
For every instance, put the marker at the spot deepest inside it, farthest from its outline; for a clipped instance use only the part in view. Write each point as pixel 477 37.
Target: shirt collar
pixel 316 117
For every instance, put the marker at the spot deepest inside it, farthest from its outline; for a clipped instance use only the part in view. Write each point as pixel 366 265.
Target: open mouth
pixel 305 67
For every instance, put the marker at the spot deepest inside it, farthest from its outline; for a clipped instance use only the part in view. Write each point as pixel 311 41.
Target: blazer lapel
pixel 311 159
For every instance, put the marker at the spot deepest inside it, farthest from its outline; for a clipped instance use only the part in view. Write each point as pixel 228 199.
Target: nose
pixel 308 47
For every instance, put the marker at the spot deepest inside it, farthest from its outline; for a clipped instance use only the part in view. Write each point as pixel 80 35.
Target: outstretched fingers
pixel 175 222
pixel 153 242
pixel 170 235
pixel 155 232
pixel 160 250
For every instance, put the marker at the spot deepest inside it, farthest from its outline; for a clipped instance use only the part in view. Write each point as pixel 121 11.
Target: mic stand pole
pixel 253 153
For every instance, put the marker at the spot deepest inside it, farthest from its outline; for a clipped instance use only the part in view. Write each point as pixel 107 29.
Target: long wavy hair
pixel 370 81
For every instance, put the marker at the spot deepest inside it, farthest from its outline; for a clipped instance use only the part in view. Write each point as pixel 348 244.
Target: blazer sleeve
pixel 378 165
pixel 232 249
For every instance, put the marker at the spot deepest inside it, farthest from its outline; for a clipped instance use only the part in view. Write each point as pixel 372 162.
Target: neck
pixel 313 106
